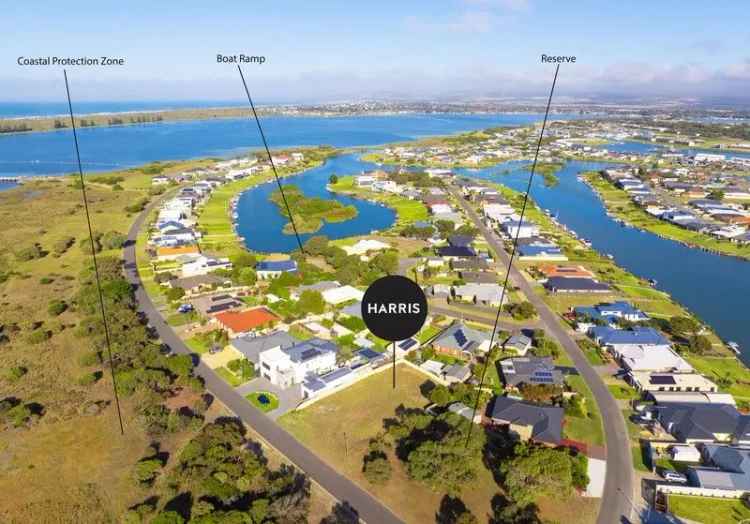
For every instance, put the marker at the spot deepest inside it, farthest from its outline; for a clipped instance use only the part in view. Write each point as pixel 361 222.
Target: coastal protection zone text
pixel 70 61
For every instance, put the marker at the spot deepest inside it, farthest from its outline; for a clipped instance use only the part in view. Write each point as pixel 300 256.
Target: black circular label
pixel 394 308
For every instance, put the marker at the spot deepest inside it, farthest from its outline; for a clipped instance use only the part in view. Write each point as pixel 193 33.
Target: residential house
pixel 288 366
pixel 489 294
pixel 687 382
pixel 461 341
pixel 528 421
pixel 342 294
pixel 575 285
pixel 550 271
pixel 251 347
pixel 267 269
pixel 518 343
pixel 726 468
pixel 530 370
pixel 203 265
pixel 365 246
pixel 199 283
pixel 707 423
pixel 238 322
pixel 212 304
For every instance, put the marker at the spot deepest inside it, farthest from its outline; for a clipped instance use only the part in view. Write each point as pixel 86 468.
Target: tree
pixel 716 194
pixel 377 470
pixel 450 463
pixel 113 240
pixel 175 293
pixel 522 310
pixel 445 227
pixel 700 344
pixel 440 395
pixel 317 245
pixel 683 326
pixel 386 262
pixel 311 301
pixel 243 260
pixel 538 471
pixel 247 277
pixel 146 470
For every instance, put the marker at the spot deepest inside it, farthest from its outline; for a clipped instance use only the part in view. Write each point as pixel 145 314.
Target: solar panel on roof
pixel 662 379
pixel 308 353
pixel 406 344
pixel 460 337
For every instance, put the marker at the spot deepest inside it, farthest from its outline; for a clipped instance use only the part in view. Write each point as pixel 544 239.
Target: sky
pixel 328 51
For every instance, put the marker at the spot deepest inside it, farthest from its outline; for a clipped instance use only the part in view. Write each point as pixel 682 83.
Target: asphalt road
pixel 368 508
pixel 619 481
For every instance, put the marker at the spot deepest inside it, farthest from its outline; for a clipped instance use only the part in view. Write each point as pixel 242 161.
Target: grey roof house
pixel 528 421
pixel 252 347
pixel 530 370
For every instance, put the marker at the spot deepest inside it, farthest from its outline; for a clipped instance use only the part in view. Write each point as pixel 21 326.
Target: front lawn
pixel 229 377
pixel 708 510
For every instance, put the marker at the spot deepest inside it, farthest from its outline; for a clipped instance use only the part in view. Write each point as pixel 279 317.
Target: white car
pixel 673 476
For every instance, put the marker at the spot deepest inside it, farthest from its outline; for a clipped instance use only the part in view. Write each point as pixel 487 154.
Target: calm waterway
pixel 260 221
pixel 108 148
pixel 715 287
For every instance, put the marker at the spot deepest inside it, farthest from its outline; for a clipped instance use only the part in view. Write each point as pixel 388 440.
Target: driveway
pixel 289 398
pixel 367 507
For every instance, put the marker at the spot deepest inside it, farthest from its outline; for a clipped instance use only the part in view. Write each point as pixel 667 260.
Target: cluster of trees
pixel 521 310
pixel 412 231
pixel 377 468
pixel 458 392
pixel 437 451
pixel 137 206
pixel 220 479
pixel 689 331
pixel 417 179
pixel 538 470
pixel 108 240
pixel 349 269
pixel 140 365
pixel 543 346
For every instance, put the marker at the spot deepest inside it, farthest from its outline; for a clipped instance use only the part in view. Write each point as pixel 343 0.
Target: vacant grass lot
pixel 708 510
pixel 338 429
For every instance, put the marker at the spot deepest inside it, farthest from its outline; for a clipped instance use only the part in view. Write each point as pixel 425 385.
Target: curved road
pixel 619 481
pixel 368 508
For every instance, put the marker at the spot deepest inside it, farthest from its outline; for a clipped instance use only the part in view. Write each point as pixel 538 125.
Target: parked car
pixel 673 476
pixel 185 308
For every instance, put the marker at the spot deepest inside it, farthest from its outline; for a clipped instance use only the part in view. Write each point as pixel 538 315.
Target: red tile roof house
pixel 237 322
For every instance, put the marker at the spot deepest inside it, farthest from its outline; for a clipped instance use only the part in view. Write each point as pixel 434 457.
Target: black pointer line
pixel 270 159
pixel 93 255
pixel 512 254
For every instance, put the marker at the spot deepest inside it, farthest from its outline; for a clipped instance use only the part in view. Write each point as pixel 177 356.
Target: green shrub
pixel 89 378
pixel 38 336
pixel 56 307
